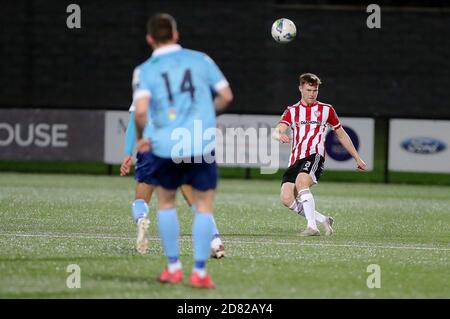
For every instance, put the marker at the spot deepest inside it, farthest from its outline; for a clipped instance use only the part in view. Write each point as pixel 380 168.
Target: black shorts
pixel 312 165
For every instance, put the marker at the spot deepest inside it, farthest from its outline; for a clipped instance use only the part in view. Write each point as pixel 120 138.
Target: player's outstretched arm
pixel 143 144
pixel 130 138
pixel 345 140
pixel 223 98
pixel 140 115
pixel 279 133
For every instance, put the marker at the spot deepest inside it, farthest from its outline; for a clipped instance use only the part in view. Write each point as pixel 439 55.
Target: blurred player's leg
pixel 202 231
pixel 169 231
pixel 217 247
pixel 186 191
pixel 144 190
pixel 140 215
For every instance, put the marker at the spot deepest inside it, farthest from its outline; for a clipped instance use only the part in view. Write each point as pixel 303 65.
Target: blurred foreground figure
pixel 172 91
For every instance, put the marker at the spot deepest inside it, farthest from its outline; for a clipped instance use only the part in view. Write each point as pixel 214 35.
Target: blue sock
pixel 200 264
pixel 139 209
pixel 172 260
pixel 202 232
pixel 215 230
pixel 169 231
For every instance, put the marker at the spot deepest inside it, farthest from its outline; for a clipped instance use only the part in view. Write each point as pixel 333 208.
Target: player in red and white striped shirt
pixel 309 120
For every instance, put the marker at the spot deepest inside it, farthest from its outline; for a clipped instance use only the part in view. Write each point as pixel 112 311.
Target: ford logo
pixel 423 145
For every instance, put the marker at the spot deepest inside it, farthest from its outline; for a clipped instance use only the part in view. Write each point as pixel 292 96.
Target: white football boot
pixel 310 232
pixel 142 235
pixel 327 225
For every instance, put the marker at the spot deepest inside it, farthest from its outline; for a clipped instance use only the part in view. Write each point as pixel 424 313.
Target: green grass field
pixel 50 221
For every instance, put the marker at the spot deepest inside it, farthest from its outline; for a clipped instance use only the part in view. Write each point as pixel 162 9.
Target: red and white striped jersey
pixel 309 127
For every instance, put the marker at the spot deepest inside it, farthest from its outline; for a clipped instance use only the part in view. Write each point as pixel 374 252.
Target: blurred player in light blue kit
pixel 144 191
pixel 172 91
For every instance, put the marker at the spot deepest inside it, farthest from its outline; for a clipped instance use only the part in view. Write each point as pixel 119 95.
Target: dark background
pixel 402 69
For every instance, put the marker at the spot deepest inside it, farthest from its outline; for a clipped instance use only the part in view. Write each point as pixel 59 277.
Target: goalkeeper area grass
pixel 48 222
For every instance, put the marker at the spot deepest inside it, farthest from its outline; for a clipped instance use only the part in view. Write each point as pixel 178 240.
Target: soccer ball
pixel 283 30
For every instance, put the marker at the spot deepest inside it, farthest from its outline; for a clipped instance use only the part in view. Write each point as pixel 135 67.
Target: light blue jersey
pixel 179 83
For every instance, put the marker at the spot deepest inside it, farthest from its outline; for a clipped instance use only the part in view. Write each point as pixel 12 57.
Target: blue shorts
pixel 201 176
pixel 144 161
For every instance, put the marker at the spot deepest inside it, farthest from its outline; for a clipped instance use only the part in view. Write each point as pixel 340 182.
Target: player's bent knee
pixel 303 181
pixel 286 199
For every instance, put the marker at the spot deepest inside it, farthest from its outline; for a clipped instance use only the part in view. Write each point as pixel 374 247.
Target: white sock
pixel 298 208
pixel 319 217
pixel 201 272
pixel 172 267
pixel 306 198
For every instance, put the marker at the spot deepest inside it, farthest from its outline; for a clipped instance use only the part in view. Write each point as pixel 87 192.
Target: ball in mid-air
pixel 283 30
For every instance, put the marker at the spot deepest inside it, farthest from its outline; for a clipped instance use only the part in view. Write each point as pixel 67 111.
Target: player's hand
pixel 126 165
pixel 284 138
pixel 361 166
pixel 143 145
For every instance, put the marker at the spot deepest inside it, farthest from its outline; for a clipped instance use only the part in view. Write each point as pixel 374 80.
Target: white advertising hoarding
pixel 115 126
pixel 419 145
pixel 245 141
pixel 53 135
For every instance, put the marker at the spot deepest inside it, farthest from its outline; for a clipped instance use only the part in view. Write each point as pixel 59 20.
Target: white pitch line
pixel 188 238
pixel 73 235
pixel 348 245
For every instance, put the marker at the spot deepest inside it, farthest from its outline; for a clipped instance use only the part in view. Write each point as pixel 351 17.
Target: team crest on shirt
pixel 317 113
pixel 172 114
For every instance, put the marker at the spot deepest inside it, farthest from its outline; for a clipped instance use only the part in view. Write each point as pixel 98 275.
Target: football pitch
pixel 48 222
